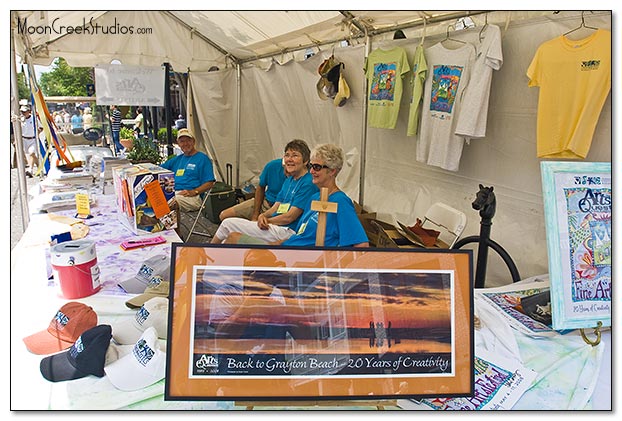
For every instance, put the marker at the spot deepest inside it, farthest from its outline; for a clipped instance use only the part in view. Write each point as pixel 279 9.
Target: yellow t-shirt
pixel 574 79
pixel 384 71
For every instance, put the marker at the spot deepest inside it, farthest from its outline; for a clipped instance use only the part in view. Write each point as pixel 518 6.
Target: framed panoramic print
pixel 284 323
pixel 577 209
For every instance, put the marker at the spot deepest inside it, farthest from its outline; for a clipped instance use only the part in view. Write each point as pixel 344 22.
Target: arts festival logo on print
pixel 206 364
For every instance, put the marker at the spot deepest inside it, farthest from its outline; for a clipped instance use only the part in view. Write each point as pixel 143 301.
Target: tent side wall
pixel 282 103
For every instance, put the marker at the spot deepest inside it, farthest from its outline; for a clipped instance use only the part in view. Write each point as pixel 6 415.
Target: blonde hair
pixel 332 155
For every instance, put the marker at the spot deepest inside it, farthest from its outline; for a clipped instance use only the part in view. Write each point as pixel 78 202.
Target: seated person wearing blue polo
pixel 343 228
pixel 193 171
pixel 270 182
pixel 279 222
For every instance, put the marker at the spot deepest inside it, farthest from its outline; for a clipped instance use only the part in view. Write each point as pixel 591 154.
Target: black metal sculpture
pixel 486 203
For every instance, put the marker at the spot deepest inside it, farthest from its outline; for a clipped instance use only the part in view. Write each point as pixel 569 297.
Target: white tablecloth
pixel 582 380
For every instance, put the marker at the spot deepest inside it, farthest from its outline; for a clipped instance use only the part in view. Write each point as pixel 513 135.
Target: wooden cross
pixel 322 207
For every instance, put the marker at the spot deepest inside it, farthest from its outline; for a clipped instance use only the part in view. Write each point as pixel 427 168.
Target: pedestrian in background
pixel 139 121
pixel 180 123
pixel 29 139
pixel 77 125
pixel 115 128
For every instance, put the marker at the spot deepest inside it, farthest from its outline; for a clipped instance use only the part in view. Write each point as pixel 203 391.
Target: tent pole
pixel 19 144
pixel 182 95
pixel 167 109
pixel 364 128
pixel 237 125
pixel 153 115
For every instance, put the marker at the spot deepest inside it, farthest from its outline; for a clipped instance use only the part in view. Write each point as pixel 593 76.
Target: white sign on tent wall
pixel 129 85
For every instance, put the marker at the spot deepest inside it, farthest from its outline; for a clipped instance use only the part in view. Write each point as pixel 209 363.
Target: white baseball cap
pixel 154 313
pixel 158 265
pixel 142 367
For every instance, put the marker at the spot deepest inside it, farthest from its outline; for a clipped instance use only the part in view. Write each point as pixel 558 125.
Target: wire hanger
pixel 425 21
pixel 481 31
pixel 583 25
pixel 447 38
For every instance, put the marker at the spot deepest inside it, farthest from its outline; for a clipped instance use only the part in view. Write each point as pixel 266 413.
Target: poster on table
pixel 325 323
pixel 577 207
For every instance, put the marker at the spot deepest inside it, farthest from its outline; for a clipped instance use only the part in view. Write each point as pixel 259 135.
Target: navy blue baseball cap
pixel 86 356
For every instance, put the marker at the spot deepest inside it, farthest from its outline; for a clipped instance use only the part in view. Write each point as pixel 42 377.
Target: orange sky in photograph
pixel 408 300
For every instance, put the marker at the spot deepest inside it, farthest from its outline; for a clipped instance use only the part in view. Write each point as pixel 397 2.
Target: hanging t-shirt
pixel 574 79
pixel 384 71
pixel 474 112
pixel 438 145
pixel 420 72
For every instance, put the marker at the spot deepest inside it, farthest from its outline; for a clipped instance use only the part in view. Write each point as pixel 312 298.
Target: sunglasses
pixel 318 167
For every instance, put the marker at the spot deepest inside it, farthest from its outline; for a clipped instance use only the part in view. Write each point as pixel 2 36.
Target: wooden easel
pixel 322 207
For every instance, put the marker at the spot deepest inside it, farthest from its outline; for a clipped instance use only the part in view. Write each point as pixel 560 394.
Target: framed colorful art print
pixel 284 323
pixel 577 209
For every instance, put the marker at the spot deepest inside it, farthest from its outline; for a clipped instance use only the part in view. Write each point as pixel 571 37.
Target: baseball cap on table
pixel 184 132
pixel 156 288
pixel 154 313
pixel 86 356
pixel 69 322
pixel 153 266
pixel 145 365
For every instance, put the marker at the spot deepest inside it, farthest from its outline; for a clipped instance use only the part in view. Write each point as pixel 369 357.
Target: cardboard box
pixel 385 235
pixel 145 194
pixel 364 217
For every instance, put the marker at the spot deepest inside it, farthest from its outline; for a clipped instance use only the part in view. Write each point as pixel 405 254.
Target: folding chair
pixel 196 219
pixel 449 221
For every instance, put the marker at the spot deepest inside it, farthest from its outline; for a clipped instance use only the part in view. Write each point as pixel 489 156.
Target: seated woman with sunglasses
pixel 343 228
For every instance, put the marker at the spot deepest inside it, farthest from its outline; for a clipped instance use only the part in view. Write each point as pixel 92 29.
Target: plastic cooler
pixel 75 269
pixel 221 197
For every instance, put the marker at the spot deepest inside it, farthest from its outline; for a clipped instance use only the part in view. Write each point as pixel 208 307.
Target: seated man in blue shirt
pixel 343 228
pixel 194 173
pixel 270 182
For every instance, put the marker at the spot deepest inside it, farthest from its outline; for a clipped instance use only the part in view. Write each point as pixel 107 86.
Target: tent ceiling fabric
pixel 195 40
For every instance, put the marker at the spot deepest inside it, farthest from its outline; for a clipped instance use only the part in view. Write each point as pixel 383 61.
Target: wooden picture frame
pixel 260 323
pixel 577 209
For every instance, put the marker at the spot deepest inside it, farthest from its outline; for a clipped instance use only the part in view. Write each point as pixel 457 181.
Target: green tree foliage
pixel 65 80
pixel 22 90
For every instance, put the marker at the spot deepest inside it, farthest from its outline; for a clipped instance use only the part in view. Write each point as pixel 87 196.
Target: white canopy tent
pixel 264 94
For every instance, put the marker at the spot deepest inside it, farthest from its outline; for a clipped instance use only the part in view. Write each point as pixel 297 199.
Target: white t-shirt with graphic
pixel 448 77
pixel 474 114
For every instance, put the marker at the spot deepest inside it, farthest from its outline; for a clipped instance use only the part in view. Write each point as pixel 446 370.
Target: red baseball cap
pixel 67 325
